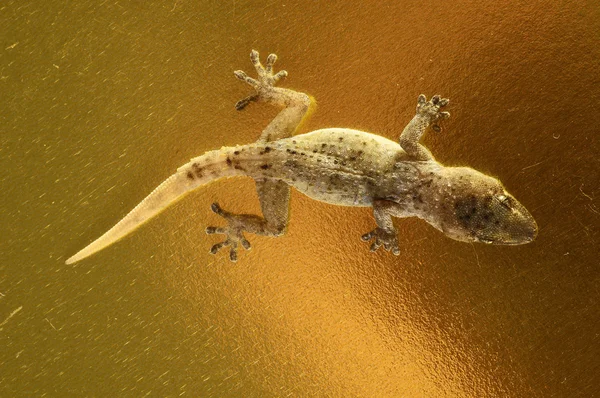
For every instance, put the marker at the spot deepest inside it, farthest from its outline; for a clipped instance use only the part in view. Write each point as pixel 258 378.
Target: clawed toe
pixel 439 101
pixel 216 247
pixel 241 75
pixel 254 57
pixel 232 252
pixel 279 75
pixel 218 210
pixel 215 230
pixel 241 104
pixel 269 64
pixel 375 245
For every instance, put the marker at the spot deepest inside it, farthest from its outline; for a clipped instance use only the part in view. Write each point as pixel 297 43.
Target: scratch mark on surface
pixel 585 194
pixel 47 320
pixel 476 256
pixel 10 316
pixel 533 165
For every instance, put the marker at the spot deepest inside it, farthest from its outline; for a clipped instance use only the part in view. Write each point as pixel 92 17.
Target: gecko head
pixel 480 210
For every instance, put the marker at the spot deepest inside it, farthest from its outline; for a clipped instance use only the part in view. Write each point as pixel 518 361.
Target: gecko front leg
pixel 428 114
pixel 274 195
pixel 385 234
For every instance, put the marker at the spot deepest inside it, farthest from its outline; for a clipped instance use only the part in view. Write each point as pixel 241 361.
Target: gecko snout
pixel 521 226
pixel 506 222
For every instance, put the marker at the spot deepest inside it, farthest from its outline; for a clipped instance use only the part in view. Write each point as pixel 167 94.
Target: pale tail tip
pixel 72 260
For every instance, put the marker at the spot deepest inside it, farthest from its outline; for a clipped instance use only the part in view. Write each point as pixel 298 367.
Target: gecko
pixel 339 166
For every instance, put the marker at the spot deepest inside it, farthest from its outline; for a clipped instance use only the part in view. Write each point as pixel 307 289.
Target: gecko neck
pixel 430 196
pixel 444 190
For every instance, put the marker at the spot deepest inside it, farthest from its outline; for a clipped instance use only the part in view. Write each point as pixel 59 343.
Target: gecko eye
pixel 504 201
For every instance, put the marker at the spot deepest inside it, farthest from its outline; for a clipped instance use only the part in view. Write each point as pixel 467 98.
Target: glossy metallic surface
pixel 100 101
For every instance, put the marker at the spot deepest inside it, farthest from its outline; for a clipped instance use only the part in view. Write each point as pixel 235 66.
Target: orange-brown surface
pixel 103 100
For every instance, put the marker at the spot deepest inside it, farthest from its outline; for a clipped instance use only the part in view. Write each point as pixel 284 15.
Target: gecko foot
pixel 234 232
pixel 265 82
pixel 431 110
pixel 389 240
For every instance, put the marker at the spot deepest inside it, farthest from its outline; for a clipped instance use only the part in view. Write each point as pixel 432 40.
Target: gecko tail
pixel 198 172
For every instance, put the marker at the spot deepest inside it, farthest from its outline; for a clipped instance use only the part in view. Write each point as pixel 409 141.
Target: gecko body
pixel 344 167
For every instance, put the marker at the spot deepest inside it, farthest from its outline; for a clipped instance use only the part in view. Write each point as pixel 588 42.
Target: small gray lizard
pixel 344 167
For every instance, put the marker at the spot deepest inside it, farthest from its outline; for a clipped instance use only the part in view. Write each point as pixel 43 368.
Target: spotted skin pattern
pixel 344 167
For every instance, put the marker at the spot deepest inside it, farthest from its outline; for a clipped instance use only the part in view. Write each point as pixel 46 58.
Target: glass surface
pixel 101 101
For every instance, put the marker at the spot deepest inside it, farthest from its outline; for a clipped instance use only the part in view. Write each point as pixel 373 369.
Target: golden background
pixel 100 101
